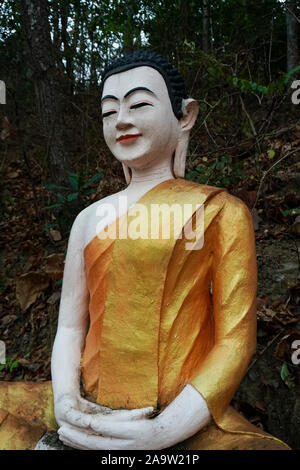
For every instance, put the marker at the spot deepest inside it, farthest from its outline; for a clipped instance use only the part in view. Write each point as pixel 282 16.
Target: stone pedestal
pixel 50 441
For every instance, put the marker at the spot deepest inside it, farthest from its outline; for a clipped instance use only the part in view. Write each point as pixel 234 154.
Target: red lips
pixel 128 137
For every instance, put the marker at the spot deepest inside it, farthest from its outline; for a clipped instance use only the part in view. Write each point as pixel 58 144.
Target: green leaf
pixel 61 198
pixel 191 174
pixel 284 372
pixel 72 196
pixel 74 180
pixel 271 153
pixel 286 376
pixel 290 212
pixel 201 168
pixel 202 180
pixel 225 181
pixel 291 73
pixel 95 178
pixel 13 365
pixel 53 206
pixel 239 172
pixel 220 165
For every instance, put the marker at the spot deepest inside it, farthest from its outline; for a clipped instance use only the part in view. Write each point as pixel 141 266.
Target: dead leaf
pixel 284 348
pixel 279 231
pixel 295 143
pixel 8 319
pixel 261 302
pixel 266 315
pixel 54 265
pixel 53 298
pixel 12 174
pixel 260 405
pixel 277 144
pixel 29 286
pixel 55 235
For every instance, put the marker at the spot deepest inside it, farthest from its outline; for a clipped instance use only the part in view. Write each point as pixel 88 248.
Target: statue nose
pixel 122 124
pixel 123 121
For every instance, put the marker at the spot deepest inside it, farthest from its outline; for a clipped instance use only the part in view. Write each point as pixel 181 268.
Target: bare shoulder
pixel 86 221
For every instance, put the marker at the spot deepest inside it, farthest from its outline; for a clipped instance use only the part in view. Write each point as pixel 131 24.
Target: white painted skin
pixel 86 425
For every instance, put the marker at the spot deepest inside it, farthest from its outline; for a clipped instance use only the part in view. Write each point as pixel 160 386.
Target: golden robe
pixel 162 316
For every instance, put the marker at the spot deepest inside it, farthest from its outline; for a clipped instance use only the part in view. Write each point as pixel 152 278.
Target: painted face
pixel 139 125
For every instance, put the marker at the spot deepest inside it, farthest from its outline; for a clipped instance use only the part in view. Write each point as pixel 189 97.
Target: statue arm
pixel 72 321
pixel 234 284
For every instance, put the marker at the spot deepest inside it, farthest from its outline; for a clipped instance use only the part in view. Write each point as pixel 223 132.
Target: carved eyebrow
pixel 138 88
pixel 112 97
pixel 109 97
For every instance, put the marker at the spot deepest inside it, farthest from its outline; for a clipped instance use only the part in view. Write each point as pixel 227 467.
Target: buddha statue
pixel 160 334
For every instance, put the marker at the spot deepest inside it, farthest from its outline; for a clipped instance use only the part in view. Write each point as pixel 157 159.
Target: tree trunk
pixel 35 15
pixel 292 34
pixel 128 32
pixel 206 27
pixel 68 53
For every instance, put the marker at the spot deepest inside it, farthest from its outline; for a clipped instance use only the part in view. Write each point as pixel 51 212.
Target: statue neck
pixel 143 179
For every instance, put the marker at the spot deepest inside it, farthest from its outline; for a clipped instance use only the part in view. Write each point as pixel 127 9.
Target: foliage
pixel 10 364
pixel 291 73
pixel 78 190
pixel 287 377
pixel 291 212
pixel 221 172
pixel 69 200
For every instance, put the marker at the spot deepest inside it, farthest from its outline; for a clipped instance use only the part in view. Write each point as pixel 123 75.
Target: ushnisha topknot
pixel 173 79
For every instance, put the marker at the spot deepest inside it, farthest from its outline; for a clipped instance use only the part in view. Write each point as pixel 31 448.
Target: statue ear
pixel 190 113
pixel 126 173
pixel 190 110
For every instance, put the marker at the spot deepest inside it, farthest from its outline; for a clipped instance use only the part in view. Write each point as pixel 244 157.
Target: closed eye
pixel 140 104
pixel 108 113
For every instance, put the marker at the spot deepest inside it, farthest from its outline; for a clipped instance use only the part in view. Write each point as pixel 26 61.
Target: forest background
pixel 240 60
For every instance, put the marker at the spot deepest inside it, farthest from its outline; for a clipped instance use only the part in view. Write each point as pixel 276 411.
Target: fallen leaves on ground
pixel 29 286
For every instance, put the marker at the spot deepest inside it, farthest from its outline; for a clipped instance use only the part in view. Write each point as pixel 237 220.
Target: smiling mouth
pixel 128 137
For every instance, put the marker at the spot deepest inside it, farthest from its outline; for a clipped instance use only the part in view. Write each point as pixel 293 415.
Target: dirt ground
pixel 263 396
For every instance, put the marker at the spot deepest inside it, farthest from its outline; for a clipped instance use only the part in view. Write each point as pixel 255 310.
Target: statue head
pixel 146 112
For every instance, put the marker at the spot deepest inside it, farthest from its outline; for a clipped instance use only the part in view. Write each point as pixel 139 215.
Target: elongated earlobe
pixel 180 156
pixel 127 173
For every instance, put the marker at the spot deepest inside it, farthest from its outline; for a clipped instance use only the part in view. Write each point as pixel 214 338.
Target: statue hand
pixel 111 433
pixel 185 416
pixel 69 408
pixel 76 412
